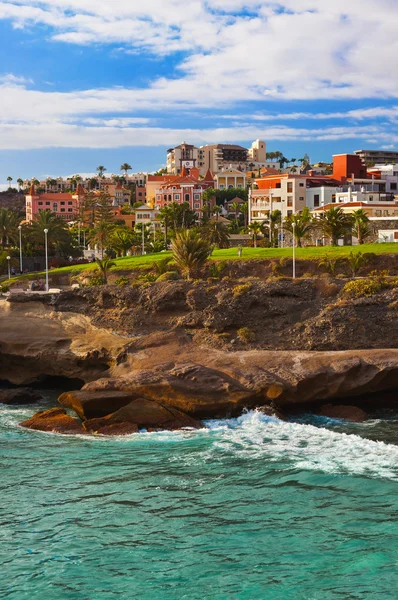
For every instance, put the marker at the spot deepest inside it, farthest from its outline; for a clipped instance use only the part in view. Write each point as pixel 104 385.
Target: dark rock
pixel 142 413
pixel 55 420
pixel 20 396
pixel 93 405
pixel 349 413
pixel 117 429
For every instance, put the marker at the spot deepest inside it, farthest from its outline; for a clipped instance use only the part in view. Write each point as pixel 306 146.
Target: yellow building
pixel 230 178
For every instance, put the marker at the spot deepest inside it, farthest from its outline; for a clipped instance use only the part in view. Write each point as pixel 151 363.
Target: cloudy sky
pixel 88 82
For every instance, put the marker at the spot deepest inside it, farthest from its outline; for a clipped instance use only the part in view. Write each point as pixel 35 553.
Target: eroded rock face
pixel 19 396
pixel 144 414
pixel 54 420
pixel 94 405
pixel 348 413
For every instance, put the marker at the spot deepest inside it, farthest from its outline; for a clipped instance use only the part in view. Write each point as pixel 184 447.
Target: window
pixel 197 197
pixel 301 184
pixel 278 186
pixel 70 203
pixel 393 186
pixel 40 203
pixel 176 196
pixel 47 204
pixel 70 209
pixel 62 203
pixel 186 197
pixel 290 200
pixel 370 198
pixel 222 186
pixel 378 213
pixel 62 210
pixel 289 187
pixel 316 200
pixel 55 206
pixel 301 198
pixel 197 205
pixel 289 213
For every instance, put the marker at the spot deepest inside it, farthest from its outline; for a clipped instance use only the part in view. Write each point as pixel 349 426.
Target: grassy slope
pixel 136 262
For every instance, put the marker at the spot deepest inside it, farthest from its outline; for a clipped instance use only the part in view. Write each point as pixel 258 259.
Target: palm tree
pixel 217 210
pixel 9 179
pixel 8 226
pixel 57 229
pixel 161 266
pixel 303 225
pixel 357 260
pixel 165 214
pixel 104 265
pixel 245 210
pixel 235 206
pixel 360 225
pixel 126 168
pixel 329 263
pixel 256 228
pixel 20 183
pixel 190 252
pixel 217 234
pixel 101 234
pixel 121 241
pixel 101 170
pixel 334 224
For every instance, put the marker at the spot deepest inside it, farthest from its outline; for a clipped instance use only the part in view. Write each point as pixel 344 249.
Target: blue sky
pixel 88 82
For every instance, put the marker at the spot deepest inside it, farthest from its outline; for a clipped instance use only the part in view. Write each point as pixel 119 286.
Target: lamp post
pixel 46 245
pixel 294 250
pixel 281 230
pixel 143 239
pixel 20 249
pixel 9 271
pixel 270 219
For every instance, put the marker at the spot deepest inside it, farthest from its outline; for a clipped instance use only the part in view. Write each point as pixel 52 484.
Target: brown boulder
pixel 19 396
pixel 142 413
pixel 117 429
pixel 93 405
pixel 348 413
pixel 55 420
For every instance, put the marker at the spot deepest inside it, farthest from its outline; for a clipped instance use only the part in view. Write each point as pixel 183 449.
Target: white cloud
pixel 313 49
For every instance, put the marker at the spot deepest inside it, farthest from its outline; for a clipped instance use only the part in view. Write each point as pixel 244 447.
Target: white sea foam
pixel 309 447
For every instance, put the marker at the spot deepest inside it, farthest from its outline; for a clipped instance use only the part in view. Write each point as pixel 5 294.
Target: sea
pixel 252 508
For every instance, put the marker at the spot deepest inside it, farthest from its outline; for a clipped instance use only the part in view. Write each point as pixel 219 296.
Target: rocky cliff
pixel 179 347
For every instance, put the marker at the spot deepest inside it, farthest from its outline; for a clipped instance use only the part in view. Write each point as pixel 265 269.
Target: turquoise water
pixel 251 508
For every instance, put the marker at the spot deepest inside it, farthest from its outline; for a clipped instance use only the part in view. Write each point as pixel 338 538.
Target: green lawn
pixel 136 262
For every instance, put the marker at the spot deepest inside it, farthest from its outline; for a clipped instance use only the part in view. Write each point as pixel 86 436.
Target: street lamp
pixel 20 249
pixel 281 231
pixel 294 250
pixel 9 272
pixel 270 219
pixel 46 245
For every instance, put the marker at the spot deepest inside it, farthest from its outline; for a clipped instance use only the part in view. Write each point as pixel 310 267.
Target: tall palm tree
pixel 57 229
pixel 256 228
pixel 101 170
pixel 334 224
pixel 121 240
pixel 245 210
pixel 303 225
pixel 235 206
pixel 361 225
pixel 190 252
pixel 8 226
pixel 217 210
pixel 101 235
pixel 20 183
pixel 126 168
pixel 217 234
pixel 9 179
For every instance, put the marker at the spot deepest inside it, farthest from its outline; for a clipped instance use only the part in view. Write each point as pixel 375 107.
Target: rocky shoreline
pixel 163 357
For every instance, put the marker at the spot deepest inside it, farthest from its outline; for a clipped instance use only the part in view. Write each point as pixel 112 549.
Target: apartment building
pixel 230 178
pixel 373 157
pixel 283 192
pixel 64 205
pixel 182 156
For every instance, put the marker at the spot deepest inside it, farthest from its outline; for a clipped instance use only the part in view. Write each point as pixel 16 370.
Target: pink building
pixel 63 205
pixel 184 188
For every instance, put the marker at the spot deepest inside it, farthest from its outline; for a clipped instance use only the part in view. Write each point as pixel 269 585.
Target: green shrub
pixel 122 281
pixel 216 268
pixel 147 278
pixel 169 276
pixel 240 290
pixel 246 335
pixel 363 288
pixel 96 280
pixel 4 289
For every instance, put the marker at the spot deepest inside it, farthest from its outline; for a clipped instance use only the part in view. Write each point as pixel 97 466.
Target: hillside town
pixel 240 197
